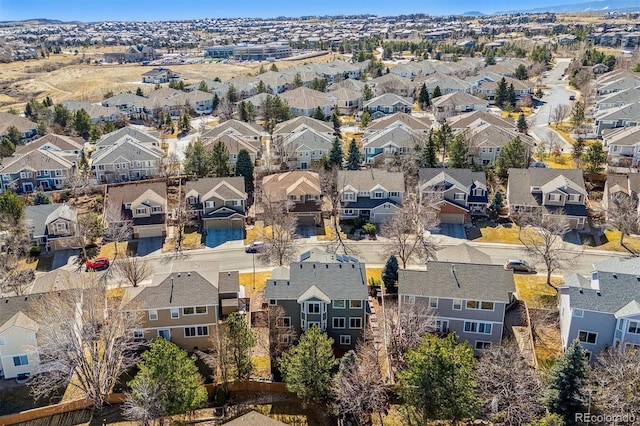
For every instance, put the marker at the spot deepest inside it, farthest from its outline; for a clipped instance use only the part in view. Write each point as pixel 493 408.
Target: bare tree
pixel 405 325
pixel 184 215
pixel 623 215
pixel 117 227
pixel 615 379
pixel 330 187
pixel 144 403
pixel 358 387
pixel 19 281
pixel 406 230
pixel 281 335
pixel 218 358
pixel 278 232
pixel 89 228
pixel 16 247
pixel 541 234
pixel 560 113
pixel 134 269
pixel 84 340
pixel 509 388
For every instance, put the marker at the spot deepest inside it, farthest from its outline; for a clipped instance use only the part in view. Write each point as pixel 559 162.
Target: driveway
pixel 572 237
pixel 148 245
pixel 216 237
pixel 451 230
pixel 61 257
pixel 306 230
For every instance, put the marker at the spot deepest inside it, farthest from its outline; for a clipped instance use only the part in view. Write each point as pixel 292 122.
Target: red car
pixel 98 263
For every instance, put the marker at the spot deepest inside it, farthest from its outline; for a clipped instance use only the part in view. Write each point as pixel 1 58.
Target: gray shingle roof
pixel 35 217
pixel 365 180
pixel 616 291
pixel 463 253
pixel 521 181
pixel 465 176
pixel 471 281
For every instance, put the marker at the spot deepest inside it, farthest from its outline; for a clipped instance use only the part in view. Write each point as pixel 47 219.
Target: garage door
pixel 451 218
pixel 216 224
pixel 147 232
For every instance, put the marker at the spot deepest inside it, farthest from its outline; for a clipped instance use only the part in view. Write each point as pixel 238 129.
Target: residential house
pixel 392 83
pixel 347 100
pixel 467 299
pixel 181 306
pixel 68 145
pixel 623 146
pixel 220 202
pixel 305 101
pixel 618 186
pixel 174 102
pixel 556 191
pixel 18 346
pixel 132 54
pixel 98 113
pixel 416 124
pixel 159 75
pixel 40 168
pixel 446 83
pixel 388 103
pixel 486 140
pixel 325 290
pixel 296 125
pixel 27 128
pixel 126 160
pixel 462 193
pixel 456 103
pixel 627 115
pixel 136 136
pixel 618 99
pixel 301 189
pixel 602 310
pixel 248 131
pixel 144 203
pixel 127 103
pixel 374 195
pixel 52 226
pixel 463 253
pixel 235 144
pixel 380 147
pixel 476 118
pixel 488 88
pixel 305 148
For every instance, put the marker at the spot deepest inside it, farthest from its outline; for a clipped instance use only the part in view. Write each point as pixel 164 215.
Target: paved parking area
pixel 61 257
pixel 451 230
pixel 216 237
pixel 149 245
pixel 306 230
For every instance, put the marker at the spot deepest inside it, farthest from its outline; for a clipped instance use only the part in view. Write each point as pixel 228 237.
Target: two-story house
pixel 126 160
pixel 234 144
pixel 456 103
pixel 298 124
pixel 40 168
pixel 303 149
pixel 485 141
pixel 159 75
pixel 468 299
pixel 143 203
pixel 556 191
pixel 127 133
pixel 27 128
pixel 52 226
pixel 388 103
pixel 300 190
pixel 18 347
pixel 623 146
pixel 220 204
pixel 461 193
pixel 325 290
pixel 61 144
pixel 602 310
pixel 417 125
pixel 373 194
pixel 248 131
pixel 182 306
pixel 618 186
pixel 380 147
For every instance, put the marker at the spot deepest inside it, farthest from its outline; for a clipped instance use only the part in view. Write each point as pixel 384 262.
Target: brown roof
pixel 129 192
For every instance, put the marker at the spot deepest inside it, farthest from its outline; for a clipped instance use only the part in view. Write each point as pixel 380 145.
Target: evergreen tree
pixel 203 86
pixel 436 92
pixel 197 160
pixel 262 88
pixel 240 343
pixel 423 97
pixel 94 133
pixel 594 158
pixel 443 138
pixel 261 70
pixel 438 380
pixel 318 114
pixel 336 154
pixel 297 81
pixel 489 57
pixel 458 153
pixel 429 153
pixel 367 93
pixel 497 203
pixel 61 115
pixel 139 92
pixel 577 115
pixel 567 379
pixel 522 124
pixel 14 135
pixel 307 367
pixel 390 274
pixel 513 155
pixel 521 72
pixel 185 121
pixel 273 68
pixel 7 148
pixel 11 205
pixel 353 156
pixel 244 167
pixel 82 123
pixel 501 95
pixel 171 376
pixel 215 102
pixel 365 119
pixel 220 160
pixel 41 198
pixel 28 110
pixel 578 149
pixel 335 119
pixel 511 95
pixel 242 111
pixel 232 94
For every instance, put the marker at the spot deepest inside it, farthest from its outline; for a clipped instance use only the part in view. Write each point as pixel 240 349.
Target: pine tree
pixel 436 92
pixel 297 81
pixel 318 114
pixel 501 95
pixel 567 379
pixel 594 158
pixel 513 155
pixel 335 119
pixel 497 203
pixel 14 135
pixel 244 167
pixel 458 153
pixel 390 274
pixel 577 115
pixel 232 94
pixel 139 92
pixel 273 68
pixel 578 149
pixel 220 160
pixel 365 119
pixel 197 160
pixel 82 123
pixel 203 86
pixel 511 95
pixel 423 97
pixel 215 102
pixel 353 156
pixel 262 88
pixel 367 93
pixel 240 343
pixel 522 124
pixel 336 154
pixel 521 72
pixel 429 153
pixel 489 57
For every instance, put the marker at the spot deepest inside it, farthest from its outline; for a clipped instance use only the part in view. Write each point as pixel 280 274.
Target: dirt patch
pixel 546 335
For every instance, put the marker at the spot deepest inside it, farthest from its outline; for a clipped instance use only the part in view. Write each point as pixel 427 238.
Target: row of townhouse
pixel 164 100
pixel 616 105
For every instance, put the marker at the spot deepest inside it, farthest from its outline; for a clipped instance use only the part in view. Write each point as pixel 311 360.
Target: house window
pixel 339 304
pixel 175 313
pixel 355 322
pixel 477 327
pixel 486 306
pixel 587 337
pixel 574 197
pixel 634 327
pixel 442 326
pixel 410 300
pixel 210 204
pixel 348 196
pixel 457 304
pixel 472 304
pixel 348 212
pixel 377 194
pixel 283 322
pixel 578 313
pixel 458 196
pixel 345 339
pixel 273 302
pixel 194 310
pixel 339 322
pixel 355 304
pixel 433 302
pixel 20 360
pixel 153 314
pixel 480 345
pixel 237 203
pixel 61 226
pixel 313 308
pixel 554 197
pixel 394 194
pixel 141 211
pixel 138 334
pixel 478 192
pixel 201 330
pixel 156 209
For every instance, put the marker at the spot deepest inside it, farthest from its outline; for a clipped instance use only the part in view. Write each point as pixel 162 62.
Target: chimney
pixel 595 281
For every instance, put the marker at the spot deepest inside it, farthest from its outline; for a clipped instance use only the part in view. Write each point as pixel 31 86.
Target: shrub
pixel 35 251
pixel 369 228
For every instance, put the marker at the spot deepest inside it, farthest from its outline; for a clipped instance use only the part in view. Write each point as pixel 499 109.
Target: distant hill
pixel 473 13
pixel 35 21
pixel 589 6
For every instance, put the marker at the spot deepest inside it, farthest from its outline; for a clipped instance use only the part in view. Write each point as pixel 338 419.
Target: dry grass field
pixel 61 77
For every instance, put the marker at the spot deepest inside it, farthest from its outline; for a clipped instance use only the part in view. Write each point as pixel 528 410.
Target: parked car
pixel 572 98
pixel 539 164
pixel 519 265
pixel 254 247
pixel 97 263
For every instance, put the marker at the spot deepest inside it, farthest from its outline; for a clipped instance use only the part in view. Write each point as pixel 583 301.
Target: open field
pixel 62 78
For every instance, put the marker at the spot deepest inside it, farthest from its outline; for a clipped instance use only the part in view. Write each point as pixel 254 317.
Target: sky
pixel 164 10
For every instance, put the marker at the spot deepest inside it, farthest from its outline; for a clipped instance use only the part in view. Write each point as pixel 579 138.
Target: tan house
pixel 182 307
pixel 144 203
pixel 301 189
pixel 52 226
pixel 220 202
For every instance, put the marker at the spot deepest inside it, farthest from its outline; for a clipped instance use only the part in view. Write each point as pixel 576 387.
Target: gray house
pixel 468 299
pixel 604 309
pixel 322 289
